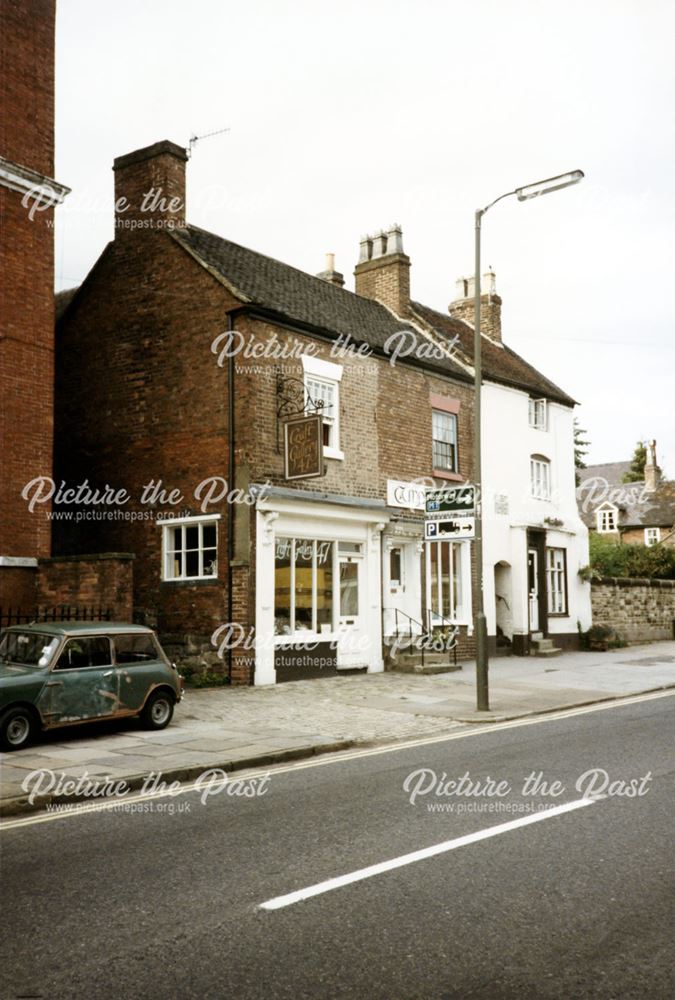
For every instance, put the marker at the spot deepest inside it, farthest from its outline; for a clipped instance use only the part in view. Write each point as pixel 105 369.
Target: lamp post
pixel 480 623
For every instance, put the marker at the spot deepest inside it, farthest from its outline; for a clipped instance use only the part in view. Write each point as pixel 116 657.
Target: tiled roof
pixel 298 296
pixel 613 472
pixel 304 298
pixel 500 363
pixel 637 508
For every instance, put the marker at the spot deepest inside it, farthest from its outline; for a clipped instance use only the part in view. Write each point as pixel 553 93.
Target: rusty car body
pixel 63 673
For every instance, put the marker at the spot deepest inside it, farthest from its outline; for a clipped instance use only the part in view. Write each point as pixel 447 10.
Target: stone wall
pixel 639 610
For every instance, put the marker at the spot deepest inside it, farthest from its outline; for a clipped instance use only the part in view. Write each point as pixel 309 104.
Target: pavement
pixel 392 884
pixel 235 728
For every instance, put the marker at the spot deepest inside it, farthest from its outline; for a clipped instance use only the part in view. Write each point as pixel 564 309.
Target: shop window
pixel 303 585
pixel 448 582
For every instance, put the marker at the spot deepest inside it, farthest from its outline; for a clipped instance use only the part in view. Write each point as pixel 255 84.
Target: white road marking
pixel 339 757
pixel 279 902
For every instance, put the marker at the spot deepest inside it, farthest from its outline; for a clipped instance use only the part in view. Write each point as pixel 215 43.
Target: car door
pixel 139 668
pixel 82 683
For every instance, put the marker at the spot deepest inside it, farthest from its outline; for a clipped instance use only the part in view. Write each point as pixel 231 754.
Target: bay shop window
pixel 316 585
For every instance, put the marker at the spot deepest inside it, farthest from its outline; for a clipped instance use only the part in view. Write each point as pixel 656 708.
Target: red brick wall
pixel 26 301
pixel 104 581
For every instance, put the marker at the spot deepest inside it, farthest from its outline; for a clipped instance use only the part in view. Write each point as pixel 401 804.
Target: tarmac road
pixel 162 900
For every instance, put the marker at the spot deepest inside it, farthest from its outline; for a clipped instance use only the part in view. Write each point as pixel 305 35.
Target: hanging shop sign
pixel 303 447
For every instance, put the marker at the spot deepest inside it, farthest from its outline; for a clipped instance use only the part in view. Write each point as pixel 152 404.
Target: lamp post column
pixel 482 699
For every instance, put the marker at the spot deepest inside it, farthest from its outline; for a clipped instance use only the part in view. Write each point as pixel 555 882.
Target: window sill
pixel 558 614
pixel 454 477
pixel 199 580
pixel 334 453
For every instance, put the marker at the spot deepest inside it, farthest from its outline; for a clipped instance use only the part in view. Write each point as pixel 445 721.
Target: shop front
pixel 318 585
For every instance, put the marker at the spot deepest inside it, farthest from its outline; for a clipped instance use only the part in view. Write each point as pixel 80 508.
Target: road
pixel 170 903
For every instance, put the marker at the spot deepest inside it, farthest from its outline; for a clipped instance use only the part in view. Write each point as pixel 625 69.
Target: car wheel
pixel 158 710
pixel 16 729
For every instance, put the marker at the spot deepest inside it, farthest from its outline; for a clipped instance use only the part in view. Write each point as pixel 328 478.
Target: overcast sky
pixel 347 116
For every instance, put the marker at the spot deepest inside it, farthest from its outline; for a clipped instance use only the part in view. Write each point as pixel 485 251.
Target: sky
pixel 344 117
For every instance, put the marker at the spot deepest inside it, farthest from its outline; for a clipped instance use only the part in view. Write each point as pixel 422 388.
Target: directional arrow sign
pixel 457 528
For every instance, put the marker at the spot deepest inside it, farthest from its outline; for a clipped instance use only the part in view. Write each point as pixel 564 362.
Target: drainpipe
pixel 231 480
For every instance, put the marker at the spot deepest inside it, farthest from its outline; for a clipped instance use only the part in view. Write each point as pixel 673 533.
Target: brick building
pixel 637 513
pixel 179 360
pixel 28 194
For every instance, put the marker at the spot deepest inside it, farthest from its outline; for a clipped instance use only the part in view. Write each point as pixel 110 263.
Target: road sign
pixel 450 499
pixel 456 528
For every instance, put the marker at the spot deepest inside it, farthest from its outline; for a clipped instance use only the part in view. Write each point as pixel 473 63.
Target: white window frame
pixel 538 413
pixel 330 374
pixel 452 417
pixel 540 477
pixel 602 516
pixel 556 582
pixel 166 525
pixel 652 536
pixel 460 564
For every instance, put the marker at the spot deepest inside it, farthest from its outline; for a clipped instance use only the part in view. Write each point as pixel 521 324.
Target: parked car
pixel 63 673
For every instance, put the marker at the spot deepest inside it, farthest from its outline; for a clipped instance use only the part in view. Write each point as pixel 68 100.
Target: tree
pixel 580 449
pixel 637 465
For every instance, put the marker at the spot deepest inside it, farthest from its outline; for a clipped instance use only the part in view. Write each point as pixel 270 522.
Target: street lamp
pixel 522 194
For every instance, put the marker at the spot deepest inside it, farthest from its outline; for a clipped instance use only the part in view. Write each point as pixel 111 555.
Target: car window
pixel 138 648
pixel 27 648
pixel 85 651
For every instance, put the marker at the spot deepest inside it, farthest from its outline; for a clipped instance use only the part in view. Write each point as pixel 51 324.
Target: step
pixel 553 651
pixel 535 636
pixel 543 643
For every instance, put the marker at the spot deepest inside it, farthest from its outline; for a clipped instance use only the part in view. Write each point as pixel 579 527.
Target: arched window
pixel 540 477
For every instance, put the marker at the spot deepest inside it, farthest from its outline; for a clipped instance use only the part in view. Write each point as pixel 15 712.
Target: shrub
pixel 610 558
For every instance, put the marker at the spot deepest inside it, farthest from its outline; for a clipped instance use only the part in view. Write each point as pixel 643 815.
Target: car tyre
pixel 17 728
pixel 158 710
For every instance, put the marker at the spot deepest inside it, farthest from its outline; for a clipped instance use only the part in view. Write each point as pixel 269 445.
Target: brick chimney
pixel 330 274
pixel 490 305
pixel 383 270
pixel 652 471
pixel 150 188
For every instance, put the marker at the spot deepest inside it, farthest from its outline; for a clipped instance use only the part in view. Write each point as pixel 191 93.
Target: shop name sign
pixel 455 499
pixel 303 447
pixel 402 494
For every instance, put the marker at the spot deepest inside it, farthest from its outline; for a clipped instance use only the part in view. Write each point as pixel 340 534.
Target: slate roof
pixel 500 363
pixel 613 472
pixel 304 299
pixel 296 295
pixel 299 296
pixel 637 508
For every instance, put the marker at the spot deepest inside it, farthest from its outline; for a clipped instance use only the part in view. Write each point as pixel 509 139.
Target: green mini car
pixel 64 673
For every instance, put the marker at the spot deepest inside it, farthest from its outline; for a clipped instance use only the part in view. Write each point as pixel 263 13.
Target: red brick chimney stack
pixel 383 270
pixel 150 188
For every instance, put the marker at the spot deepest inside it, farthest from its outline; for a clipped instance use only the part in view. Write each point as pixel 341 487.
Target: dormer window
pixel 537 414
pixel 606 519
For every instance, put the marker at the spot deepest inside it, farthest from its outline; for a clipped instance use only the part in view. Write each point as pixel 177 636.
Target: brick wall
pixel 104 580
pixel 639 610
pixel 27 301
